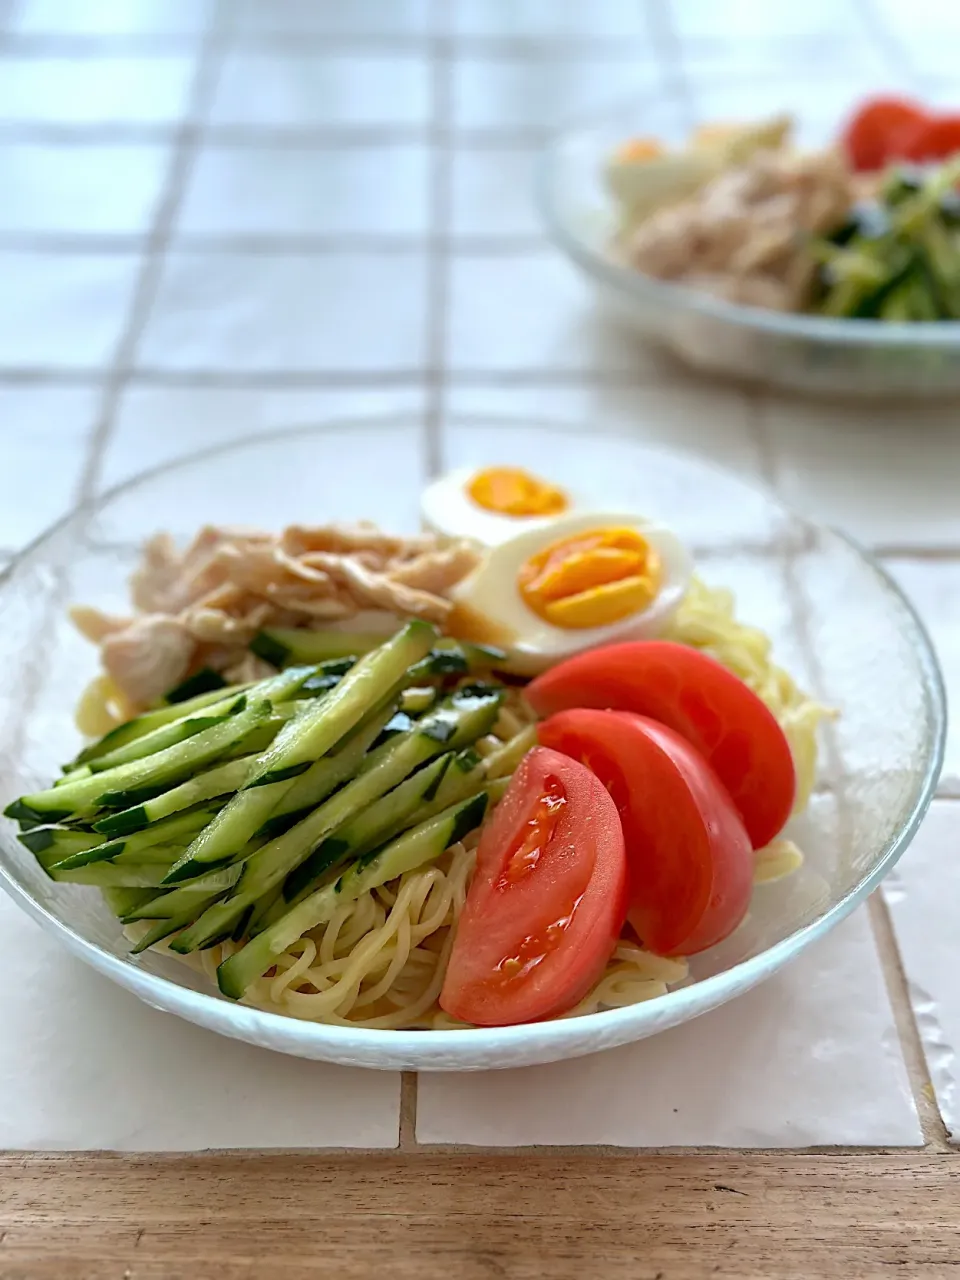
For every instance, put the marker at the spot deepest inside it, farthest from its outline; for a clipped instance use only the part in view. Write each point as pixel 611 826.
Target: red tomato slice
pixel 936 139
pixel 700 699
pixel 689 857
pixel 879 131
pixel 547 900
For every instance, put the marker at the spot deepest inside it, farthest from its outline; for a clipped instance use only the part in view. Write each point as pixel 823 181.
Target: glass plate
pixel 802 352
pixel 837 621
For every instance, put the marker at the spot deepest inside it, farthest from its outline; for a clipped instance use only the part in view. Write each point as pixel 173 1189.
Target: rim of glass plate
pixel 259 1025
pixel 636 284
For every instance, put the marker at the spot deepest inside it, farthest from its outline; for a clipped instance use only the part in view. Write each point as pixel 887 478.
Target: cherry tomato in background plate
pixel 547 900
pixel 880 131
pixel 935 139
pixel 689 858
pixel 700 699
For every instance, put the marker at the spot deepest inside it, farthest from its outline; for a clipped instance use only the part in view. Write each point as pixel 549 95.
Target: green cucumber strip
pixel 311 735
pixel 73 773
pixel 458 721
pixel 413 849
pixel 50 845
pixel 373 826
pixel 165 736
pixel 120 901
pixel 506 759
pixel 195 895
pixel 162 929
pixel 279 689
pixel 180 828
pixel 280 645
pixel 107 874
pixel 206 680
pixel 323 777
pixel 222 780
pixel 151 720
pixel 418 699
pixel 164 767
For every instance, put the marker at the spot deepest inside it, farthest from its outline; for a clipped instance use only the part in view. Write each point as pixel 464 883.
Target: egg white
pixel 447 509
pixel 532 644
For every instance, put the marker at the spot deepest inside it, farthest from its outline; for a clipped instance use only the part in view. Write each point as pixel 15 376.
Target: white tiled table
pixel 225 218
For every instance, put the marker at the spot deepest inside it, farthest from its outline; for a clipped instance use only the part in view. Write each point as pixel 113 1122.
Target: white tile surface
pixel 39 425
pixel 159 424
pixel 934 588
pixel 538 92
pixel 103 189
pixel 885 473
pixel 922 896
pixel 492 192
pixel 545 18
pixel 809 1058
pixel 111 17
pixel 531 311
pixel 100 1070
pixel 331 17
pixel 65 309
pixel 87 91
pixel 364 468
pixel 311 90
pixel 711 422
pixel 290 190
pixel 274 312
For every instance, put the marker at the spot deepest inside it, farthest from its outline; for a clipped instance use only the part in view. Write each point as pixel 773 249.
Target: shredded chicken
pixel 744 235
pixel 203 606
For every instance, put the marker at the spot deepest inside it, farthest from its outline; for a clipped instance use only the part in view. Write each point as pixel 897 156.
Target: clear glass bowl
pixel 837 622
pixel 802 352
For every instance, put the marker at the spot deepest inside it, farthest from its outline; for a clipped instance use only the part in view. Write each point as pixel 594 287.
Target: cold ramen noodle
pixel 517 767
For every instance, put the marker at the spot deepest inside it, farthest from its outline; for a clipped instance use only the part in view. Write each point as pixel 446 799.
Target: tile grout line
pixel 438 255
pixel 154 254
pixel 436 285
pixel 932 1126
pixel 884 938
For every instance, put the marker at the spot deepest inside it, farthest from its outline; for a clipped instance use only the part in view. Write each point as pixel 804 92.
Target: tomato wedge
pixel 880 130
pixel 702 701
pixel 547 900
pixel 689 859
pixel 936 139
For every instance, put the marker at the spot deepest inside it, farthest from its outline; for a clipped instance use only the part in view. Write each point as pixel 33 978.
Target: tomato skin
pixel 880 130
pixel 541 917
pixel 700 699
pixel 689 857
pixel 936 139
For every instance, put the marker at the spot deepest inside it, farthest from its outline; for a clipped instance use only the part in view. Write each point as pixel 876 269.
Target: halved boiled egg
pixel 491 504
pixel 580 581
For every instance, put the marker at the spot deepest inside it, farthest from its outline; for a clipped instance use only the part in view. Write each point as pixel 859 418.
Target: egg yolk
pixel 511 491
pixel 638 149
pixel 591 579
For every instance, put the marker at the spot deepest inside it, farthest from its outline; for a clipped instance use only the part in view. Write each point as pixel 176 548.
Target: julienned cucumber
pixel 323 777
pixel 117 787
pixel 282 645
pixel 304 740
pixel 420 845
pixel 222 780
pixel 150 720
pixel 460 720
pixel 178 829
pixel 52 844
pixel 193 894
pixel 383 819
